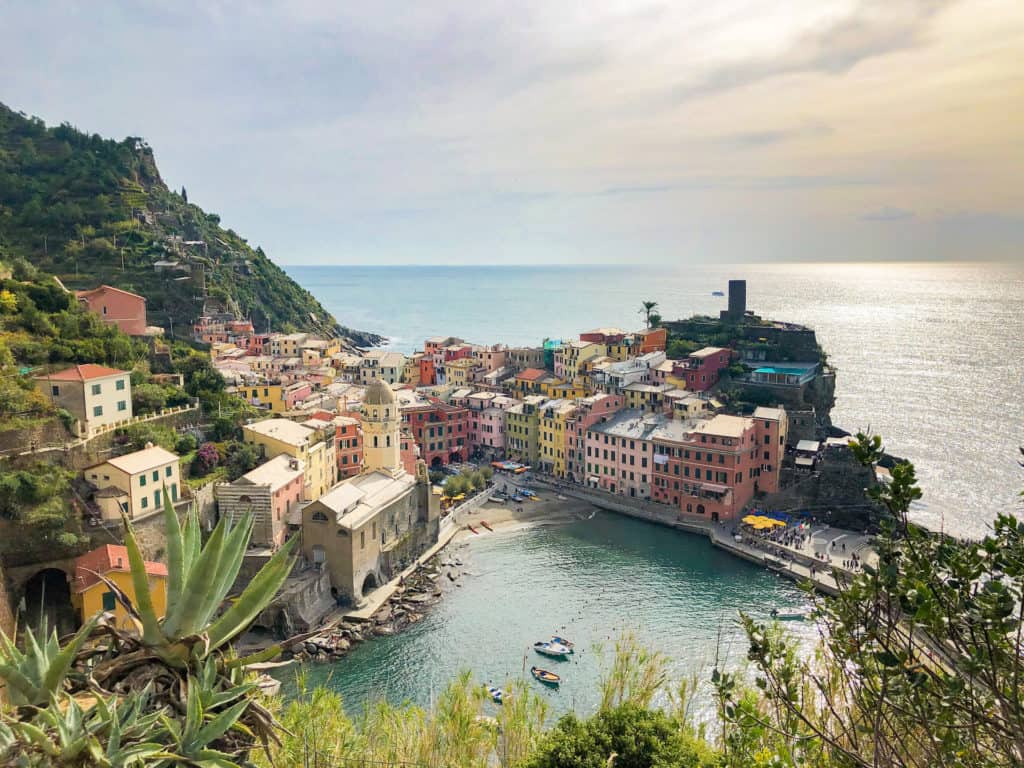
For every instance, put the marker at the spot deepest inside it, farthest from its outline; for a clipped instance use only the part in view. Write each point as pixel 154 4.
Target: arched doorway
pixel 369 584
pixel 436 463
pixel 48 597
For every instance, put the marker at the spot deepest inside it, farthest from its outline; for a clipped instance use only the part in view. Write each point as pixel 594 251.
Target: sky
pixel 530 131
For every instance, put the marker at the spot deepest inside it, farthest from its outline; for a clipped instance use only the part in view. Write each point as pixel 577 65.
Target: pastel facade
pixel 620 451
pixel 588 412
pixel 98 397
pixel 703 368
pixel 269 493
pixel 348 434
pixel 90 595
pixel 440 431
pixel 313 447
pixel 552 451
pixel 568 357
pixel 114 306
pixel 134 484
pixel 386 366
pixel 522 429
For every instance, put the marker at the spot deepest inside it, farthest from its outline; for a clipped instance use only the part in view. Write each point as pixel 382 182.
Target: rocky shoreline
pixel 407 606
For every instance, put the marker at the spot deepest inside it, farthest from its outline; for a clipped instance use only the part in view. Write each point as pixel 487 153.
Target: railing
pixel 140 419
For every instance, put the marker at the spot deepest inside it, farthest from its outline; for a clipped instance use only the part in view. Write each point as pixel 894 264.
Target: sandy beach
pixel 549 509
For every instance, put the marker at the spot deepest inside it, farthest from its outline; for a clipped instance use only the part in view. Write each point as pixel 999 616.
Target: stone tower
pixel 381 429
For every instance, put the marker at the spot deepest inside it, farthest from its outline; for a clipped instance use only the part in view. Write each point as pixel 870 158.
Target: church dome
pixel 379 393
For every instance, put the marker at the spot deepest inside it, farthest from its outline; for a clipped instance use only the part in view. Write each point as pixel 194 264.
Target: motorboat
pixel 496 694
pixel 562 641
pixel 544 676
pixel 718 293
pixel 552 649
pixel 793 616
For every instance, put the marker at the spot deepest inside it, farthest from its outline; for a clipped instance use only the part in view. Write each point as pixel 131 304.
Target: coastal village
pixel 370 456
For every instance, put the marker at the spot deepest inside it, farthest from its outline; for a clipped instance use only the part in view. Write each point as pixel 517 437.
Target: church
pixel 368 528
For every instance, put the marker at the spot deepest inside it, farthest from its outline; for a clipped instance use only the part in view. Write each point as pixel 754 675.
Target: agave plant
pixel 37 673
pixel 170 693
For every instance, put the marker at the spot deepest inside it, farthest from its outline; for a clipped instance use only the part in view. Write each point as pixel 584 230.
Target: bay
pixel 929 355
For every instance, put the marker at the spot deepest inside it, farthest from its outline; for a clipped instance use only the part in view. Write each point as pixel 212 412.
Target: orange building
pixel 116 307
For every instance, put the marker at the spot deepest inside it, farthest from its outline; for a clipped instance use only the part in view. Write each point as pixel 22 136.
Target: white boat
pixel 496 694
pixel 554 650
pixel 563 642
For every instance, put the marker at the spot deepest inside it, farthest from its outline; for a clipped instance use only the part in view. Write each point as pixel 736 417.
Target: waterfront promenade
pixel 820 555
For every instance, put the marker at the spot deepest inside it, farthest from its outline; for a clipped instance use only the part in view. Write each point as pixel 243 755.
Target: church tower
pixel 381 430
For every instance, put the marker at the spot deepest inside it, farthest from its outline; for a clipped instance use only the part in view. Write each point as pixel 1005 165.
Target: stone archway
pixel 369 584
pixel 47 597
pixel 436 463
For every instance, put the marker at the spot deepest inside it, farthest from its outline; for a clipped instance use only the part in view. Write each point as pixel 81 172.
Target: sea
pixel 928 355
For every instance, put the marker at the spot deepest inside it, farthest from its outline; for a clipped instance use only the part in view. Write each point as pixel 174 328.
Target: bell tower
pixel 381 430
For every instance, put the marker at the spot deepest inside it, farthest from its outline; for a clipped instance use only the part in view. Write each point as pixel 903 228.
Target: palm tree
pixel 647 310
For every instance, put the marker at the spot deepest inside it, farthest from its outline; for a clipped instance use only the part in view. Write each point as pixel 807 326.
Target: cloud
pixel 873 28
pixel 888 213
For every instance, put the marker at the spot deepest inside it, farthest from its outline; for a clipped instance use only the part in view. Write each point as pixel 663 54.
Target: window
pixel 156 498
pixel 122 405
pixel 119 385
pixel 109 601
pixel 174 491
pixel 95 389
pixel 319 517
pixel 142 481
pixel 156 475
pixel 362 539
pixel 145 502
pixel 97 410
pixel 54 390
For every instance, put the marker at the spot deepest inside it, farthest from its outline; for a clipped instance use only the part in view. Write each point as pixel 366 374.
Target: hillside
pixel 92 210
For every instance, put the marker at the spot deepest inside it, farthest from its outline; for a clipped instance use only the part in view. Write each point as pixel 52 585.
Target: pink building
pixel 491 358
pixel 589 411
pixel 269 493
pixel 620 451
pixel 487 422
pixel 116 307
pixel 703 368
pixel 348 442
pixel 713 470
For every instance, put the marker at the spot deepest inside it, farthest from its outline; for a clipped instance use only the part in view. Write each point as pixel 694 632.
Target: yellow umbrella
pixel 751 519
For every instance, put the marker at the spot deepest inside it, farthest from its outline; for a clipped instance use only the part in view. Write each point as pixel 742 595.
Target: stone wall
pixel 6 606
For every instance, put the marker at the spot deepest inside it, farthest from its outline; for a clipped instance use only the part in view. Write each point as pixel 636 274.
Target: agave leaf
pixel 182 618
pixel 121 596
pixel 220 724
pixel 255 658
pixel 151 632
pixel 255 597
pixel 175 553
pixel 235 543
pixel 17 683
pixel 61 664
pixel 192 541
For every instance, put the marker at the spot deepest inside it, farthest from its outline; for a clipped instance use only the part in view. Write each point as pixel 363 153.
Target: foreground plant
pixel 170 692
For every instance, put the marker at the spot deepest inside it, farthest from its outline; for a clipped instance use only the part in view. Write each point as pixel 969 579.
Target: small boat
pixel 718 293
pixel 552 649
pixel 563 642
pixel 496 694
pixel 544 676
pixel 472 529
pixel 485 525
pixel 787 616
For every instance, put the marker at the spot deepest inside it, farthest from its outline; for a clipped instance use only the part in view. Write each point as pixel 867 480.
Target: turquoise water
pixel 588 581
pixel 928 355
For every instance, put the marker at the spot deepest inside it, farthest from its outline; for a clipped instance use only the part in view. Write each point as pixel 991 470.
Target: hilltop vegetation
pixel 92 210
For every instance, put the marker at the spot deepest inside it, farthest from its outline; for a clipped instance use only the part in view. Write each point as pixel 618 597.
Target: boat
pixel 496 694
pixel 794 616
pixel 552 649
pixel 472 529
pixel 544 676
pixel 718 293
pixel 485 525
pixel 562 641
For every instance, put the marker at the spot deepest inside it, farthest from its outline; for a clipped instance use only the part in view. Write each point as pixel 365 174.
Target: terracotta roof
pixel 82 373
pixel 89 292
pixel 103 560
pixel 531 374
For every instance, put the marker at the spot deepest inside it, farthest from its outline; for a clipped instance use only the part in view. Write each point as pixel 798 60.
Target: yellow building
pixel 134 483
pixel 569 356
pixel 552 439
pixel 566 391
pixel 411 374
pixel 287 344
pixel 522 429
pixel 458 373
pixel 646 397
pixel 313 447
pixel 269 396
pixel 91 596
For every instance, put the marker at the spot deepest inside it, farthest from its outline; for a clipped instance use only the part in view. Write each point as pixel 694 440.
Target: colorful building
pixel 522 429
pixel 589 411
pixel 647 397
pixel 568 356
pixel 459 371
pixel 98 397
pixel 651 340
pixel 269 493
pixel 440 431
pixel 521 358
pixel 702 369
pixel 620 451
pixel 487 422
pixel 383 365
pixel 551 446
pixel 534 381
pixel 90 595
pixel 348 439
pixel 313 447
pixel 114 306
pixel 134 484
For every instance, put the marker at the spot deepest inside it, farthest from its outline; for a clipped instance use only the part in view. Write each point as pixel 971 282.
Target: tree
pixel 647 309
pixel 241 458
pixel 207 457
pixel 654 320
pixel 184 194
pixel 148 398
pixel 922 662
